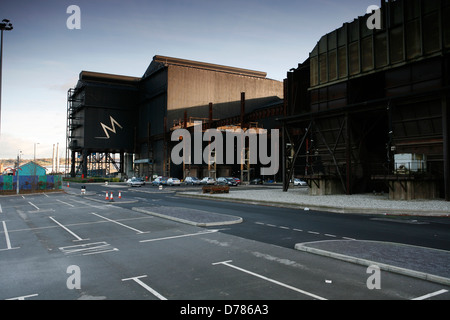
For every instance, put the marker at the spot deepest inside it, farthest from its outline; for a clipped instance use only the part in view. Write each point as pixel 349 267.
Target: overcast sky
pixel 42 58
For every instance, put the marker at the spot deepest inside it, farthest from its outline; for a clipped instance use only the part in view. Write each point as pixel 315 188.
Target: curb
pixel 382 266
pixel 305 206
pixel 189 222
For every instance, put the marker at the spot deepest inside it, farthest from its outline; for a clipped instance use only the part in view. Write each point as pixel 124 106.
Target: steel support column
pixel 446 136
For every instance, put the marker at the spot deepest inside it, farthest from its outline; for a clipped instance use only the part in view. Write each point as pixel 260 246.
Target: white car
pixel 173 182
pixel 298 182
pixel 192 180
pixel 135 182
pixel 208 180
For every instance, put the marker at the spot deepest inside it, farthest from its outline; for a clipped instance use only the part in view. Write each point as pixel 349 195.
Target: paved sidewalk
pixel 419 262
pixel 360 203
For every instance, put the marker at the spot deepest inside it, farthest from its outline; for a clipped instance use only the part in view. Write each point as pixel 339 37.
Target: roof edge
pixel 208 66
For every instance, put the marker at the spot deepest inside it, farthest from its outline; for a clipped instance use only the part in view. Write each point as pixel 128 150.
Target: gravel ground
pixel 361 203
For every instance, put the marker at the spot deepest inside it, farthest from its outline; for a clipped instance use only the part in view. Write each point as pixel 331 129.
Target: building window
pixel 446 22
pixel 332 65
pixel 431 30
pixel 396 45
pixel 367 54
pixel 323 68
pixel 381 50
pixel 314 76
pixel 342 61
pixel 353 58
pixel 413 46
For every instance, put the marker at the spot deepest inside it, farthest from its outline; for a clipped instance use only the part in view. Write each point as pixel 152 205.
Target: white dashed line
pixel 300 230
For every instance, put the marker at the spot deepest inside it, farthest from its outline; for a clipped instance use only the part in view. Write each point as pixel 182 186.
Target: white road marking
pixel 23 297
pixel 89 248
pixel 68 230
pixel 37 208
pixel 121 224
pixel 146 287
pixel 66 203
pixel 431 295
pixel 181 236
pixel 227 263
pixel 8 242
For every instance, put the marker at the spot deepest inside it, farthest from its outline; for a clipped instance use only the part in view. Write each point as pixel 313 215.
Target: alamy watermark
pixel 222 146
pixel 74 20
pixel 374 20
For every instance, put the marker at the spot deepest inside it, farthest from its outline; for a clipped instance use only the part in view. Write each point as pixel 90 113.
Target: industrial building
pixel 123 124
pixel 368 110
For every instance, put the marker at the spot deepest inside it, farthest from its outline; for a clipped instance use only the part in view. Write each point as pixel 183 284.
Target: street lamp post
pixel 34 158
pixel 5 25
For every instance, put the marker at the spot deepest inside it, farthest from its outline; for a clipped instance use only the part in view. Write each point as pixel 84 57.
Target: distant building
pixel 32 169
pixel 133 117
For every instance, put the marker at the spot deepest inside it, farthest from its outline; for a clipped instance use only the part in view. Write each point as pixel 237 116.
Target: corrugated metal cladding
pixel 366 95
pixel 119 114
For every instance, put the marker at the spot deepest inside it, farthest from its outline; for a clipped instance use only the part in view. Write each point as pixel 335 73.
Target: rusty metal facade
pixel 365 96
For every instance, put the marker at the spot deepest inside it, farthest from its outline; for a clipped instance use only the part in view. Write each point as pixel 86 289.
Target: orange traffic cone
pixel 120 194
pixel 111 198
pixel 106 197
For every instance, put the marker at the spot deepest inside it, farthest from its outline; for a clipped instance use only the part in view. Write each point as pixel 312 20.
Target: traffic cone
pixel 120 194
pixel 106 197
pixel 111 198
pixel 67 184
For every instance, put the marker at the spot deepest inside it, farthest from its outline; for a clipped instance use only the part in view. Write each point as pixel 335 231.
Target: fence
pixel 30 184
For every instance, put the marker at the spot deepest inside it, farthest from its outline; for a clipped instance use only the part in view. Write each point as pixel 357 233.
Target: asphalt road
pixel 61 246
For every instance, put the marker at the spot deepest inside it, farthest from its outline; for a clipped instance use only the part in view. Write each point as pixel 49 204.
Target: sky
pixel 42 57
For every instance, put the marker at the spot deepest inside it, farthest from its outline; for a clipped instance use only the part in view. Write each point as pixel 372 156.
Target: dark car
pixel 257 181
pixel 227 181
pixel 192 181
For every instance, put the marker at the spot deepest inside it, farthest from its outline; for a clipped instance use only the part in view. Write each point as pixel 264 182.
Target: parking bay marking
pixel 181 236
pixel 37 208
pixel 121 224
pixel 8 241
pixel 89 248
pixel 68 230
pixel 146 287
pixel 228 264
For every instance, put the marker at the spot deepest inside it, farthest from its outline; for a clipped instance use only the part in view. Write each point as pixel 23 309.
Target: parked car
pixel 226 181
pixel 192 181
pixel 173 182
pixel 135 182
pixel 141 179
pixel 298 182
pixel 208 180
pixel 237 180
pixel 257 181
pixel 159 181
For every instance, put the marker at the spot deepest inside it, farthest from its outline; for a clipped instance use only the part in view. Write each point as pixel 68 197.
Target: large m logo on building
pixel 107 129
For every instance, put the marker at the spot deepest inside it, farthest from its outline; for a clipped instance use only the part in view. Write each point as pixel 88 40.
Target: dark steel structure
pixel 101 122
pixel 366 99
